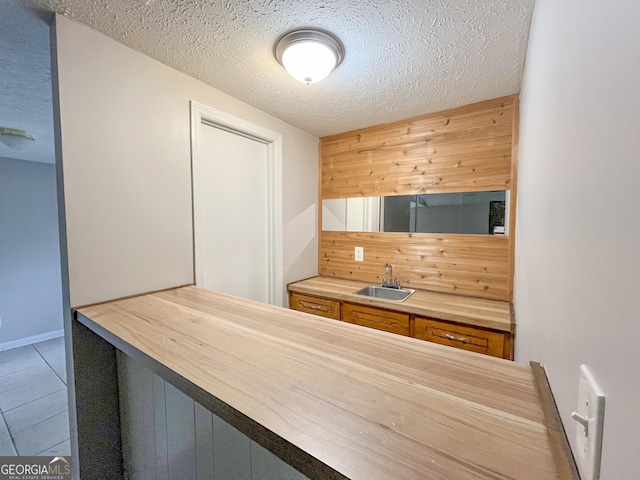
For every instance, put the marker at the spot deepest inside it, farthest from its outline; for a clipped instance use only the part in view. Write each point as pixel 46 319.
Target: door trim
pixel 202 114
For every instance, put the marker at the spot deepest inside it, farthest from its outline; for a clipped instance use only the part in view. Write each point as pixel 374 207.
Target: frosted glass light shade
pixel 308 62
pixel 309 55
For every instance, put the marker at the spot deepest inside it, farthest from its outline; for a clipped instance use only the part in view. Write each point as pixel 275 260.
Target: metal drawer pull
pixel 456 339
pixel 316 307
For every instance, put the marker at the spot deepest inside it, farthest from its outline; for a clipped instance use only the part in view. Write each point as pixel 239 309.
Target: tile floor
pixel 34 417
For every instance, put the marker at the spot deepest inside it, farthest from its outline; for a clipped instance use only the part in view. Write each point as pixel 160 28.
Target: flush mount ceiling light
pixel 309 55
pixel 14 138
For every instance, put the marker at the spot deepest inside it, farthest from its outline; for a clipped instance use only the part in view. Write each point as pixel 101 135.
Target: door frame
pixel 202 114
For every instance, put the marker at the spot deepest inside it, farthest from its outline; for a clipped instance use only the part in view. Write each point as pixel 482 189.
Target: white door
pixel 231 214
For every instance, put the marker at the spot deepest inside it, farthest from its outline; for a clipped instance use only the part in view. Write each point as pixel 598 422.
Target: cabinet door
pixel 379 319
pixel 460 336
pixel 317 306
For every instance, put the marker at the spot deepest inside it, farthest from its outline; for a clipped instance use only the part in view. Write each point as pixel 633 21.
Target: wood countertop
pixel 355 403
pixel 480 312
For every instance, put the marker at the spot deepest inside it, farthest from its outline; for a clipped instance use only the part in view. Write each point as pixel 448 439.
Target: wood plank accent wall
pixel 460 150
pixel 470 148
pixel 475 265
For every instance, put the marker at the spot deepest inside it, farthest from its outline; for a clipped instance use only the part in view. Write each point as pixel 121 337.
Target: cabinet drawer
pixel 460 336
pixel 393 322
pixel 317 306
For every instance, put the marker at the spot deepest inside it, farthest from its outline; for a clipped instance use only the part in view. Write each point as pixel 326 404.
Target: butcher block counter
pixel 332 399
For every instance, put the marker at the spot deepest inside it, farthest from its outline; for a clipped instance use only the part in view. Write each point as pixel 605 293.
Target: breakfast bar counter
pixel 331 399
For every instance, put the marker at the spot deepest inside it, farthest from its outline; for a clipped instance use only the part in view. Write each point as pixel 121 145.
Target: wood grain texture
pixel 367 404
pixel 315 305
pixel 478 312
pixel 464 149
pixel 474 339
pixel 386 316
pixel 471 148
pixel 385 320
pixel 476 265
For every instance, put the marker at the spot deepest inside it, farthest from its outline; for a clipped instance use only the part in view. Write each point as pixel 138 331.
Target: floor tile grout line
pixel 34 400
pixel 36 424
pixel 21 360
pixel 13 442
pixel 49 365
pixel 54 446
pixel 13 350
pixel 24 384
pixel 50 447
pixel 33 350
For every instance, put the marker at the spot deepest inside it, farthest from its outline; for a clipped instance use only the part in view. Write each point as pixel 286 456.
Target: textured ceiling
pixel 403 57
pixel 25 81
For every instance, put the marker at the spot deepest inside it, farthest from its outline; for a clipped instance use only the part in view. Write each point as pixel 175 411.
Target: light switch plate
pixel 590 412
pixel 359 254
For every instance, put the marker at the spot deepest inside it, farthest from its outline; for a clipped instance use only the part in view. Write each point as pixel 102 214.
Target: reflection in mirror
pixel 360 214
pixel 467 212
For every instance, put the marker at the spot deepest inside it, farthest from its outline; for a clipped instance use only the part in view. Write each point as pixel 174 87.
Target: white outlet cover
pixel 359 254
pixel 589 441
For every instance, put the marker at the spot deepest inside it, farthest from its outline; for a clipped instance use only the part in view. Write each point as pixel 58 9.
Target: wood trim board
pixel 558 441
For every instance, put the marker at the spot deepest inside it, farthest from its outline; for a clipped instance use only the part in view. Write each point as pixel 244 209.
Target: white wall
pixel 127 178
pixel 577 290
pixel 30 283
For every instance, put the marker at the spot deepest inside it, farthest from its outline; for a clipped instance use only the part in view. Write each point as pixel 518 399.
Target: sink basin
pixel 386 293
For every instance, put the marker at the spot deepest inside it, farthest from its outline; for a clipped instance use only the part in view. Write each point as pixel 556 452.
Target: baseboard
pixel 21 342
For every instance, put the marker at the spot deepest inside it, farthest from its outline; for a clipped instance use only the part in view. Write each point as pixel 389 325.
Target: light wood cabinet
pixel 389 321
pixel 455 334
pixel 317 306
pixel 465 337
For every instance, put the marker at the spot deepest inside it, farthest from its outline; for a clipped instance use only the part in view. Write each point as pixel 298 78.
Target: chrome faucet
pixel 390 283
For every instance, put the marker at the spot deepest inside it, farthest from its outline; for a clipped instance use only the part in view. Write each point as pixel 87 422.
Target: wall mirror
pixel 466 212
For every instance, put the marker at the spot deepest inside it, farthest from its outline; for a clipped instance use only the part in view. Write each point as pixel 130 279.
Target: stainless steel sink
pixel 386 293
